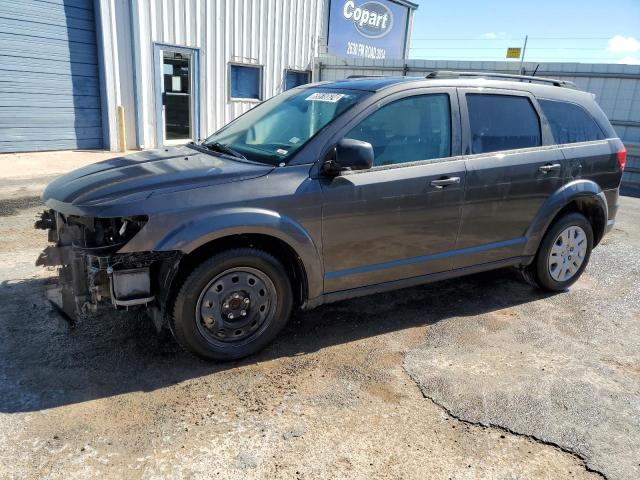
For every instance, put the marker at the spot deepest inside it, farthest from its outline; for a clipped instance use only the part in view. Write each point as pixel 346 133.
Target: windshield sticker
pixel 294 140
pixel 325 97
pixel 281 151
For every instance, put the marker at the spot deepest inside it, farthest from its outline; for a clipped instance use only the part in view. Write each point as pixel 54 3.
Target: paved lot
pixel 564 368
pixel 480 377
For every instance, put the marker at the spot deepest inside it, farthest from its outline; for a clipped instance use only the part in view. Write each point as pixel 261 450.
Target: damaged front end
pixel 91 271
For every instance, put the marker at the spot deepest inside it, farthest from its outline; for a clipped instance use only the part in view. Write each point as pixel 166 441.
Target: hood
pixel 137 177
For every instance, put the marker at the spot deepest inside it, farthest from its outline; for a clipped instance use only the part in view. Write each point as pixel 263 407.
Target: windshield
pixel 274 130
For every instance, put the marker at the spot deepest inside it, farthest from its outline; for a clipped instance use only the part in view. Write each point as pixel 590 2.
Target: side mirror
pixel 351 154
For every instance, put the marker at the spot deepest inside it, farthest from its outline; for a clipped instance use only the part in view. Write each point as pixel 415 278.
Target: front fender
pixel 576 190
pixel 165 233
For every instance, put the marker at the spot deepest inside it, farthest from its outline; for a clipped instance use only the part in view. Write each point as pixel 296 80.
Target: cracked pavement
pixel 563 369
pixel 480 377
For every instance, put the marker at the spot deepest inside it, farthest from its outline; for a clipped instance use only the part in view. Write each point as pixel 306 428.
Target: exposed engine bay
pixel 91 271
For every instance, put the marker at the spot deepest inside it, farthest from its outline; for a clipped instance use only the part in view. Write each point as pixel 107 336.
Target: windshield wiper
pixel 222 148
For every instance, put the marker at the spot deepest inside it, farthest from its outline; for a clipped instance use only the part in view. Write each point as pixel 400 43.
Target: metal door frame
pixel 194 53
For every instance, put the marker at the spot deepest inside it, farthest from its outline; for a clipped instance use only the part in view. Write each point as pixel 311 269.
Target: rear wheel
pixel 232 305
pixel 563 254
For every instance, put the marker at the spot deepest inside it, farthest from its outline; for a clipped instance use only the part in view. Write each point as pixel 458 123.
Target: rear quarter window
pixel 570 123
pixel 502 122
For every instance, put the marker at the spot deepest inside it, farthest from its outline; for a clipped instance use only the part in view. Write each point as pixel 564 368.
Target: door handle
pixel 549 167
pixel 443 182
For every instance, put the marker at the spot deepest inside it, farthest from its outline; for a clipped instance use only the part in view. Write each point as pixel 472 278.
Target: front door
pixel 510 173
pixel 400 218
pixel 177 104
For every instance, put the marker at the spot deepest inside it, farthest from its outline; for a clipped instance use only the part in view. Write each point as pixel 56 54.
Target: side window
pixel 502 122
pixel 408 130
pixel 570 123
pixel 245 81
pixel 295 78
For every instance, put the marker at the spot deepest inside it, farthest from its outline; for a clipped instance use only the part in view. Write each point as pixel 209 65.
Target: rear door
pixel 400 218
pixel 510 172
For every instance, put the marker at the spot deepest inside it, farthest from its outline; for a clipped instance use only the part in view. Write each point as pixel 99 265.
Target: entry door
pixel 177 99
pixel 400 218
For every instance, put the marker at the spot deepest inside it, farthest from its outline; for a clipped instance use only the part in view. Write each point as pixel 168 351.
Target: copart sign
pixel 372 29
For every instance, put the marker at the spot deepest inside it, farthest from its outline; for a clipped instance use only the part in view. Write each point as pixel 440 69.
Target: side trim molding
pixel 413 281
pixel 425 258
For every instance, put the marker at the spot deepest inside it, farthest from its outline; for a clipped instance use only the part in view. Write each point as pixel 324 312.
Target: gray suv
pixel 335 190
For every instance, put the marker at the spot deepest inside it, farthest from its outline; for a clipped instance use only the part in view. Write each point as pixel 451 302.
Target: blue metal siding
pixel 49 86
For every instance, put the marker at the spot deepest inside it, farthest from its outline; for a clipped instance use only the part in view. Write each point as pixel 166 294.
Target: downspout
pixel 321 46
pixel 137 67
pixel 318 72
pixel 104 104
pixel 408 31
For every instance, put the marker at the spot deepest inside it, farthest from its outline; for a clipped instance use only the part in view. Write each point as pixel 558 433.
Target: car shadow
pixel 47 364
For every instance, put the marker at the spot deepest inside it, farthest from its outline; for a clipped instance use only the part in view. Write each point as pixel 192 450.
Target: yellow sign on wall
pixel 513 52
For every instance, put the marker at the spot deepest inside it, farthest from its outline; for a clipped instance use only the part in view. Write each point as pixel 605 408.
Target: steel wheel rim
pixel 567 253
pixel 236 305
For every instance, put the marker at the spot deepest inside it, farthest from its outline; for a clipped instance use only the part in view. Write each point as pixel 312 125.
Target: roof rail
pixel 504 76
pixel 365 76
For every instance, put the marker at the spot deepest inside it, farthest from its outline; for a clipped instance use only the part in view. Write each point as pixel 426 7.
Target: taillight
pixel 622 157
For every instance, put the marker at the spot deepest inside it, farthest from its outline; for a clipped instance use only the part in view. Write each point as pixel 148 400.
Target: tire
pixel 210 317
pixel 556 267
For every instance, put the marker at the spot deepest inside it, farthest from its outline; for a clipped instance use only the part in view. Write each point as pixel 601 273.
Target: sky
pixel 587 31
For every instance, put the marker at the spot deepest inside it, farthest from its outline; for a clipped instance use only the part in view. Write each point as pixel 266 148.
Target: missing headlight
pixel 100 236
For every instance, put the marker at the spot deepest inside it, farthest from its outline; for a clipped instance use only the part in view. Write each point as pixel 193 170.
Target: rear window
pixel 502 122
pixel 570 123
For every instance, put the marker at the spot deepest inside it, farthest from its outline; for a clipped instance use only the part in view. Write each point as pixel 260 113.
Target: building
pixel 83 74
pixel 76 74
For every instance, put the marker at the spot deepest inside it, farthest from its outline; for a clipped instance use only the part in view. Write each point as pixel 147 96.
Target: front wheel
pixel 232 305
pixel 563 254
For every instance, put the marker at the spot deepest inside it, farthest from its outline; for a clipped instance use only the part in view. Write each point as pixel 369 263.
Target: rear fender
pixel 583 190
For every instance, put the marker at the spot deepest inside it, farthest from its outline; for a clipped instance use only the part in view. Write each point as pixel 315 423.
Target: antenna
pixel 536 69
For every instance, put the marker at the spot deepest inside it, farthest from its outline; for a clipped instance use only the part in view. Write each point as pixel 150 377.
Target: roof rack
pixel 504 76
pixel 365 76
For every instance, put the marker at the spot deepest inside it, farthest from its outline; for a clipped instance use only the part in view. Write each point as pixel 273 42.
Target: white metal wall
pixel 117 68
pixel 277 34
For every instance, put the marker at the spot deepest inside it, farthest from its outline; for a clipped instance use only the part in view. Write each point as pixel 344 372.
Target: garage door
pixel 49 87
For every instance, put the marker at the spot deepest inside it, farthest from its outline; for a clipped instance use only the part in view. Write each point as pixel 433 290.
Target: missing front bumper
pixel 95 275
